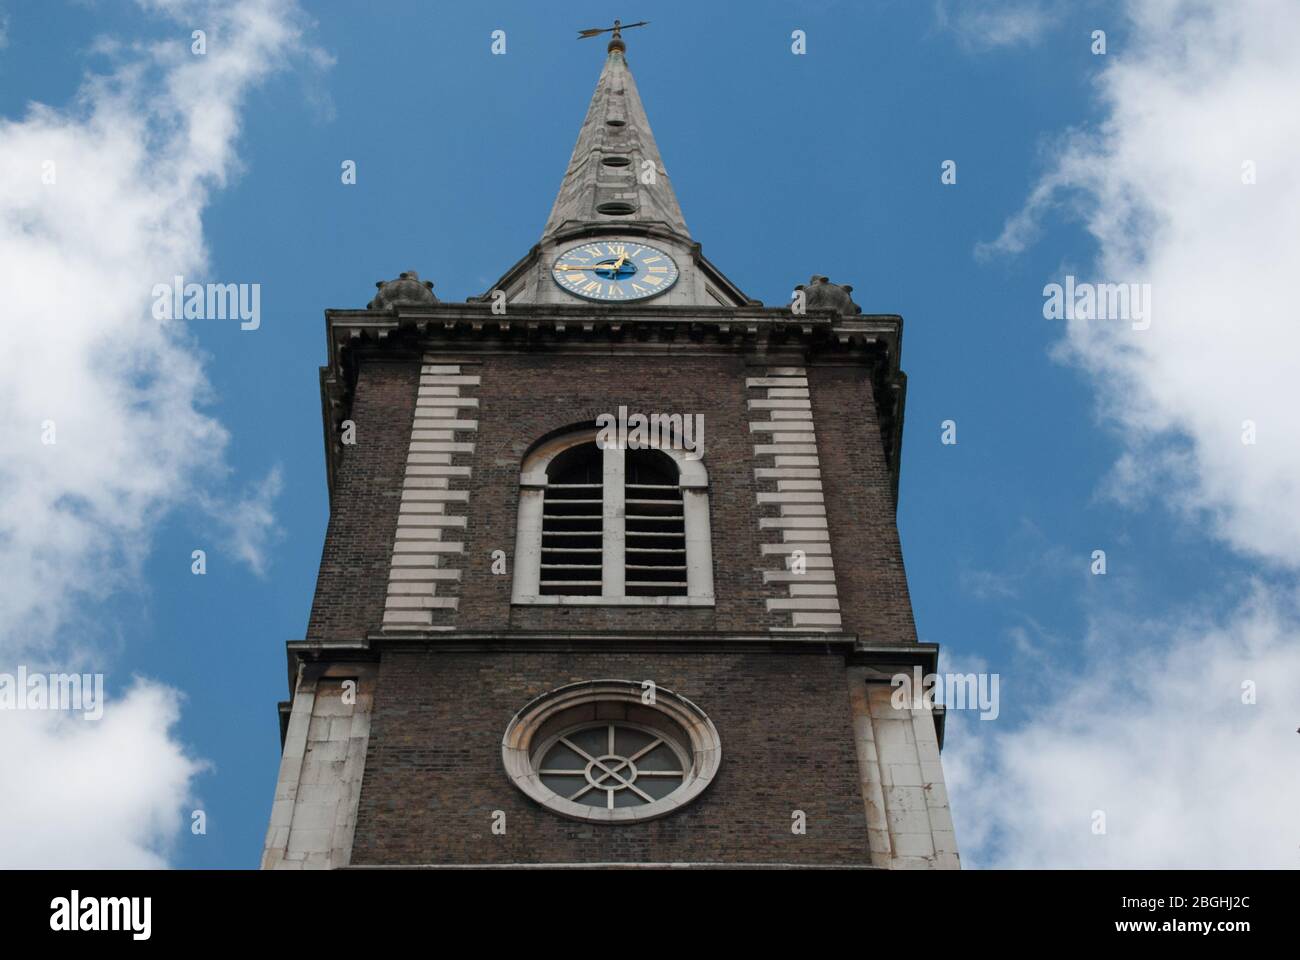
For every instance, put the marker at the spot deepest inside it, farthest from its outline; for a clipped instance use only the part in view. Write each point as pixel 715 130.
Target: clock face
pixel 615 270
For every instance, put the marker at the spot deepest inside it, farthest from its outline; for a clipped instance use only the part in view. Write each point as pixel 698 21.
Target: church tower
pixel 612 574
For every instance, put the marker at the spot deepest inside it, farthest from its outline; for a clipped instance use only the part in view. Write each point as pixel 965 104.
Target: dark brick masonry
pixel 434 774
pixel 874 602
pixel 523 398
pixel 358 549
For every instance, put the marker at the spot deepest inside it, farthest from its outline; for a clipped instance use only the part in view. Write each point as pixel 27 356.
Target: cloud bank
pixel 104 429
pixel 1181 734
pixel 1198 91
pixel 1196 97
pixel 101 794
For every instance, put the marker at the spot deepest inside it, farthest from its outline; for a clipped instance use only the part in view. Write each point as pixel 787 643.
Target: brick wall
pixel 522 398
pixel 434 773
pixel 874 602
pixel 353 580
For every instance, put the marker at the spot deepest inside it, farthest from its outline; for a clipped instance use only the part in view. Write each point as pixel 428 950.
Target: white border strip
pixel 789 439
pixel 420 550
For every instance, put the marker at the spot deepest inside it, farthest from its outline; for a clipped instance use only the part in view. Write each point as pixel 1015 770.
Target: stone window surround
pixel 617 701
pixel 693 480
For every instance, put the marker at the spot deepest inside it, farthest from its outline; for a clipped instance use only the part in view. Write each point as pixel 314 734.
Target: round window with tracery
pixel 613 765
pixel 603 750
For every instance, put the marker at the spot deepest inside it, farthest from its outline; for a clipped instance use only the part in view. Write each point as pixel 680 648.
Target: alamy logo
pixel 1098 301
pixel 83 692
pixel 75 913
pixel 955 691
pixel 638 431
pixel 179 300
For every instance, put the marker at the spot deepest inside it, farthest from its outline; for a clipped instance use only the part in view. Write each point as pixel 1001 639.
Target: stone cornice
pixel 882 661
pixel 883 658
pixel 765 335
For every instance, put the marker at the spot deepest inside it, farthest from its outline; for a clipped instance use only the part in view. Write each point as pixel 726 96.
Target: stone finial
pixel 821 294
pixel 408 290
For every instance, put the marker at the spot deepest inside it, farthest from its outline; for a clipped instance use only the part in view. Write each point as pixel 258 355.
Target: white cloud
pixel 91 794
pixel 1153 731
pixel 1155 735
pixel 1198 90
pixel 247 525
pixel 99 202
pixel 987 24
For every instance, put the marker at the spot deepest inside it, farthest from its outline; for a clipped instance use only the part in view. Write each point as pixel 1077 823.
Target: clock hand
pixel 614 267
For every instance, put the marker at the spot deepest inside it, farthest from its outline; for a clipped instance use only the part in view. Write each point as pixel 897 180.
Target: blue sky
pixel 1069 440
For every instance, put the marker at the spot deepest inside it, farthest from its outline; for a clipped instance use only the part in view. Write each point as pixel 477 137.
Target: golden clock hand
pixel 591 266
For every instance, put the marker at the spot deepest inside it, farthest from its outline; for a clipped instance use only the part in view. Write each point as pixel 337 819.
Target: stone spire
pixel 606 183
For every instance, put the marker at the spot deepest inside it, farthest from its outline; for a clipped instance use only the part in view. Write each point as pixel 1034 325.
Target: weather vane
pixel 616 41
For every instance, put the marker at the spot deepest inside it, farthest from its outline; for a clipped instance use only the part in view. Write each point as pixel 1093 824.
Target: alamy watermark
pixel 179 300
pixel 954 691
pixel 75 692
pixel 1098 301
pixel 75 913
pixel 637 431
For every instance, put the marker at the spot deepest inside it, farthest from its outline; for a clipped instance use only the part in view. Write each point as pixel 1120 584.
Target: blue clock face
pixel 615 270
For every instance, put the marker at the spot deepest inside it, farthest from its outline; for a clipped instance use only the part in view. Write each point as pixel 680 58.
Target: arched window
pixel 606 525
pixel 655 531
pixel 572 524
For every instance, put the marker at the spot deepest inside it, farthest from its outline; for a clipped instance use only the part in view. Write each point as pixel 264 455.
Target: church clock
pixel 615 270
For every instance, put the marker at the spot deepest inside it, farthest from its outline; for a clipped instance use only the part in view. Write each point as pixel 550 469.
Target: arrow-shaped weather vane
pixel 617 28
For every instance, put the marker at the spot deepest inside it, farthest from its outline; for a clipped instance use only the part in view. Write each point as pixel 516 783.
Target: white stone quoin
pixel 909 825
pixel 427 534
pixel 314 814
pixel 787 437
